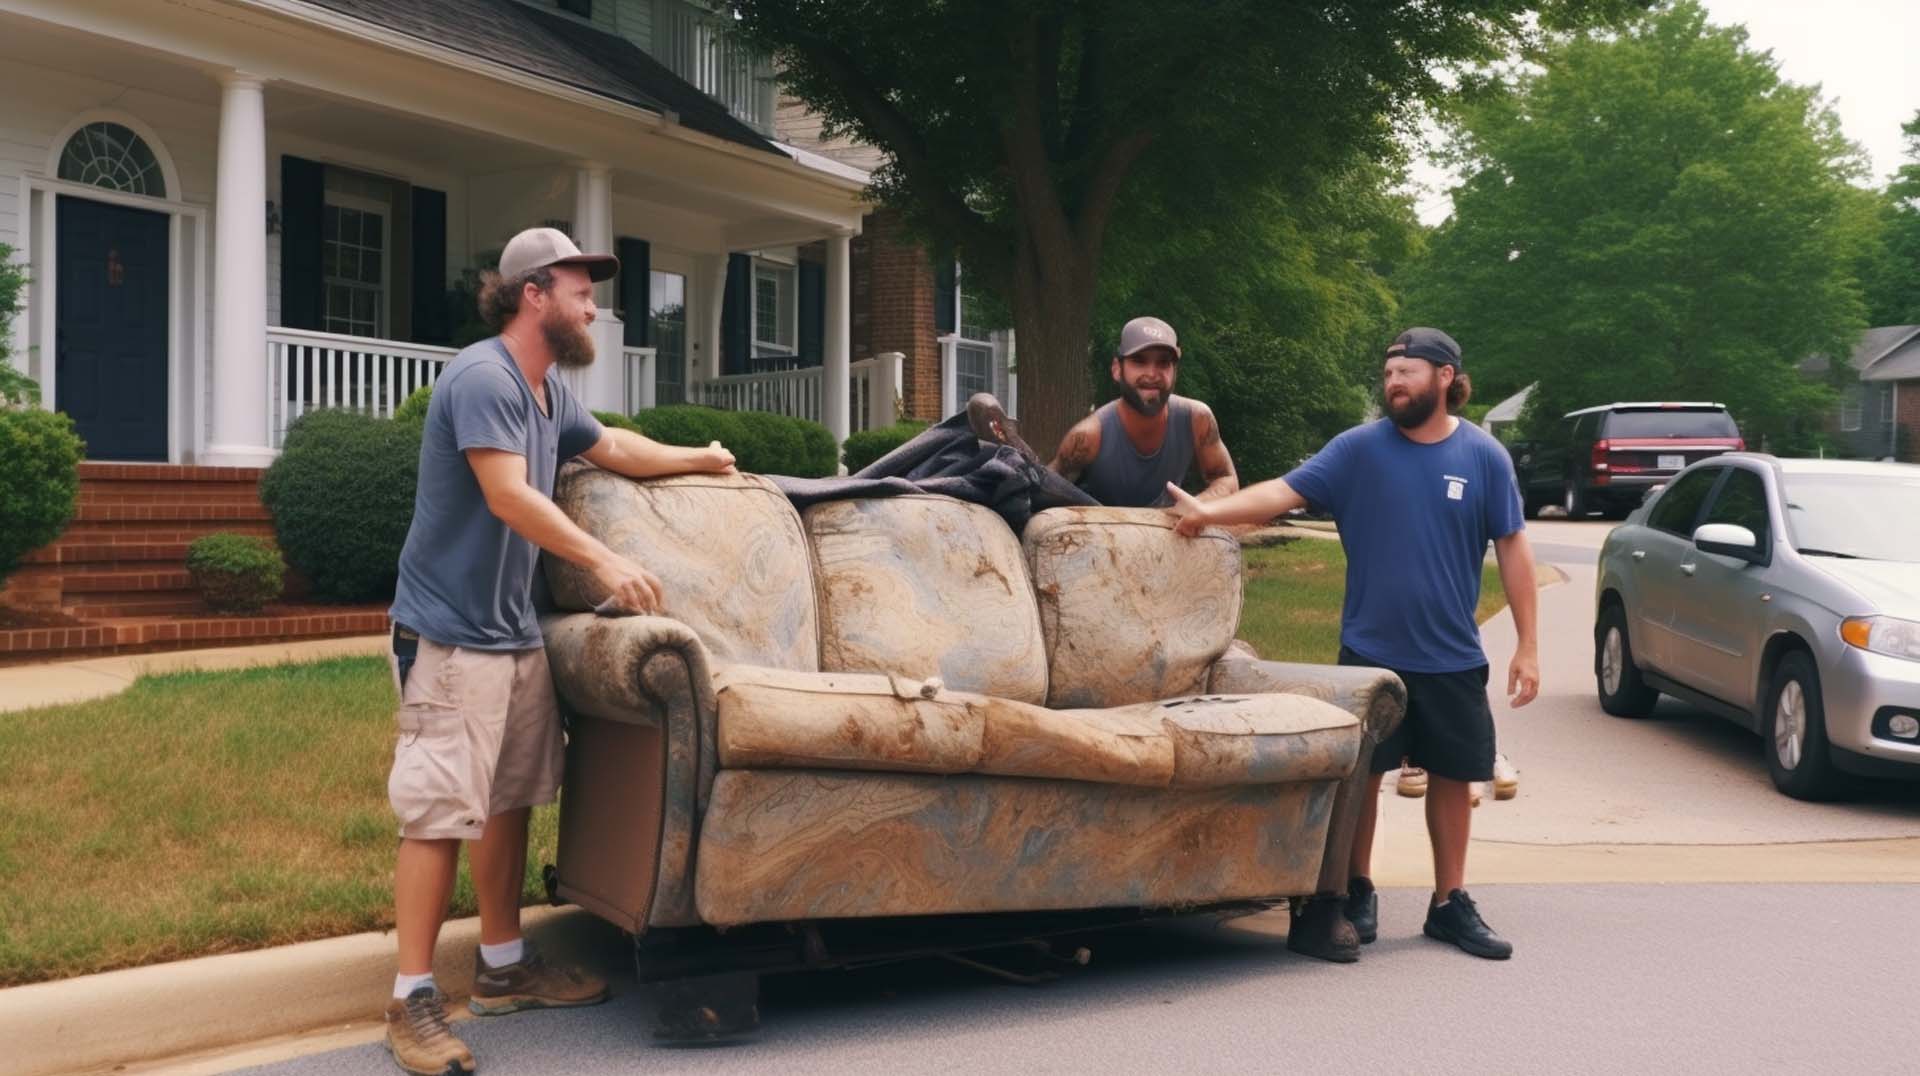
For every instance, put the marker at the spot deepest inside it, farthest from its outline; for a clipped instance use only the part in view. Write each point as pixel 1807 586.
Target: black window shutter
pixel 943 294
pixel 430 267
pixel 302 194
pixel 636 291
pixel 736 325
pixel 813 313
pixel 582 8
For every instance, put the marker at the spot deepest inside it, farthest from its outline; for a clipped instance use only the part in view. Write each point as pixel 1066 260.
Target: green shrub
pixel 761 442
pixel 618 421
pixel 414 407
pixel 869 445
pixel 235 573
pixel 341 497
pixel 39 480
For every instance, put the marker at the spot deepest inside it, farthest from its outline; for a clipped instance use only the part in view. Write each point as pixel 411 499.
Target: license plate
pixel 1672 463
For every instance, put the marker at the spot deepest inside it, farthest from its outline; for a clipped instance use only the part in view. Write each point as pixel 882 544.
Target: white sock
pixel 404 984
pixel 499 956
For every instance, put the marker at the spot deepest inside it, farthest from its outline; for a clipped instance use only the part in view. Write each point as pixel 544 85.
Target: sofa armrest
pixel 1375 696
pixel 606 666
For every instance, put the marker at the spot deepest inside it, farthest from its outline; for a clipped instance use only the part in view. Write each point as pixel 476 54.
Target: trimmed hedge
pixel 761 443
pixel 869 445
pixel 414 407
pixel 235 573
pixel 39 480
pixel 341 497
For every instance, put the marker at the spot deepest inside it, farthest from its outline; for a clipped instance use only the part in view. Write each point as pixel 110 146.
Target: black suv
pixel 1604 459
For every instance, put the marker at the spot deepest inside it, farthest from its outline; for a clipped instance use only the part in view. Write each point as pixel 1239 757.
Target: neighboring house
pixel 907 302
pixel 233 211
pixel 1878 416
pixel 1507 412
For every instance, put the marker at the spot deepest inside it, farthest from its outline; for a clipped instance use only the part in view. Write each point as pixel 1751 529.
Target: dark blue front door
pixel 110 362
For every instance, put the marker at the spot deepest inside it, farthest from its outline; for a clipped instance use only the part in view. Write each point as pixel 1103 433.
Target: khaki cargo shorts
pixel 479 735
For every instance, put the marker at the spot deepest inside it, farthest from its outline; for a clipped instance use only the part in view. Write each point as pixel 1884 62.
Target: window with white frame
pixel 1852 404
pixel 775 309
pixel 356 245
pixel 1886 404
pixel 973 350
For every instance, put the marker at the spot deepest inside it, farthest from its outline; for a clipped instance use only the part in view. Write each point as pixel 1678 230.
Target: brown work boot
pixel 419 1038
pixel 531 984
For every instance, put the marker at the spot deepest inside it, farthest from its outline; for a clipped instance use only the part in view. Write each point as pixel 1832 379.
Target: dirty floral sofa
pixel 896 707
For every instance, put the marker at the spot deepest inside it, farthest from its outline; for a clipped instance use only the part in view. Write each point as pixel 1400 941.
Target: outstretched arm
pixel 1077 450
pixel 1258 503
pixel 628 453
pixel 1216 466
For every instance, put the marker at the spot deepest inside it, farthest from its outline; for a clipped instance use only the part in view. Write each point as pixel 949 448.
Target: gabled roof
pixel 558 48
pixel 1889 354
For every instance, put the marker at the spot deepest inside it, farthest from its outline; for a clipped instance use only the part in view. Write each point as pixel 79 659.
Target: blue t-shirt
pixel 1415 521
pixel 466 579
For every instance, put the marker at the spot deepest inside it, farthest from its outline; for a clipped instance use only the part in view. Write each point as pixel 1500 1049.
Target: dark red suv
pixel 1604 459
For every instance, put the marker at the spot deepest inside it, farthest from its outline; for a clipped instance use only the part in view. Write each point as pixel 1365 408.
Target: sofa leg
pixel 709 1010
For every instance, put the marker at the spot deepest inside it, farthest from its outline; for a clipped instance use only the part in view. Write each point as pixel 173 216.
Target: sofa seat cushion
pixel 926 586
pixel 778 719
pixel 728 550
pixel 1131 611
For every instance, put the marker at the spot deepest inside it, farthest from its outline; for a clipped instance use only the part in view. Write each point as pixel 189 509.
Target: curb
pixel 118 1018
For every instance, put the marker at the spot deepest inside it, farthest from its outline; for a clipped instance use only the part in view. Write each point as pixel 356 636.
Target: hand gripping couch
pixel 895 707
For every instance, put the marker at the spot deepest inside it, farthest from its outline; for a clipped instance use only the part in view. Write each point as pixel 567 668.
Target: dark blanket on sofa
pixel 949 459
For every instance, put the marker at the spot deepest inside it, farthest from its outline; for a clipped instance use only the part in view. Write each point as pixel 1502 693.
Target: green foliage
pixel 39 480
pixel 463 301
pixel 616 420
pixel 1648 214
pixel 761 443
pixel 414 408
pixel 235 573
pixel 16 388
pixel 1015 130
pixel 1890 272
pixel 869 445
pixel 341 498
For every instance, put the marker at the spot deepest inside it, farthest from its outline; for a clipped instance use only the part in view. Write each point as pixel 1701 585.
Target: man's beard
pixel 568 340
pixel 1416 409
pixel 1134 400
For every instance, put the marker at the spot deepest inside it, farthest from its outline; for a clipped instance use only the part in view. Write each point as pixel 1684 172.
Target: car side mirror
pixel 1728 540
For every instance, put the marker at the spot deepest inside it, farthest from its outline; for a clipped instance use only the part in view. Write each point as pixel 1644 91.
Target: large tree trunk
pixel 1052 300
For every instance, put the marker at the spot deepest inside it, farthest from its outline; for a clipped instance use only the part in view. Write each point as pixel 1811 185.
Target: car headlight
pixel 1883 635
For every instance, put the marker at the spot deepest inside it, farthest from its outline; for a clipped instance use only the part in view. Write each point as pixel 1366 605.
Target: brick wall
pixel 892 305
pixel 1906 415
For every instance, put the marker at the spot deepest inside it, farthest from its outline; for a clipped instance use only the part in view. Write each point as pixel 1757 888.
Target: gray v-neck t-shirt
pixel 466 579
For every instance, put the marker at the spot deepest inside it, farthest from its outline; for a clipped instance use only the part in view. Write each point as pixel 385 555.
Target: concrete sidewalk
pixel 28 687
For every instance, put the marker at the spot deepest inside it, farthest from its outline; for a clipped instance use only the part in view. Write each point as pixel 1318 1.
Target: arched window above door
pixel 107 154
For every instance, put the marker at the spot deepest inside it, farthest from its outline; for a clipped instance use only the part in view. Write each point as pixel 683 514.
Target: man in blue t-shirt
pixel 1417 495
pixel 480 741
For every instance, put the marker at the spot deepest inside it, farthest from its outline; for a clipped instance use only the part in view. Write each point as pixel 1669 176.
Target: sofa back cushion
pixel 1131 611
pixel 728 550
pixel 926 586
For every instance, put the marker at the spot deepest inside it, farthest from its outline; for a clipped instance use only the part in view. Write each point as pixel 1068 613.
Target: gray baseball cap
pixel 1143 333
pixel 538 248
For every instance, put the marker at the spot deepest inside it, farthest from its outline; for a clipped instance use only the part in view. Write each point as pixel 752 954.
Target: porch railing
pixel 688 38
pixel 640 374
pixel 873 392
pixel 309 370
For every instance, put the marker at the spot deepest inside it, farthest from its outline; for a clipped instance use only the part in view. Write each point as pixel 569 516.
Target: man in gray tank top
pixel 1126 452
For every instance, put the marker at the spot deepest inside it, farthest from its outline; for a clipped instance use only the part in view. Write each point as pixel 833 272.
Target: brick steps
pixel 120 567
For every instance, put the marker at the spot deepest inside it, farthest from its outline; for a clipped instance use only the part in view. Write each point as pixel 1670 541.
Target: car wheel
pixel 1622 692
pixel 1575 501
pixel 1798 758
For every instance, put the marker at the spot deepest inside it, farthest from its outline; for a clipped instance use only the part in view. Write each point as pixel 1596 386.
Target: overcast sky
pixel 1865 54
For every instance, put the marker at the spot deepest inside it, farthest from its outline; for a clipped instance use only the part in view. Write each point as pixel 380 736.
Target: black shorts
pixel 1448 730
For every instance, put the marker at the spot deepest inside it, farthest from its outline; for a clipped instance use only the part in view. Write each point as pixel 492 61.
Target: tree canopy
pixel 1015 129
pixel 1650 213
pixel 1891 272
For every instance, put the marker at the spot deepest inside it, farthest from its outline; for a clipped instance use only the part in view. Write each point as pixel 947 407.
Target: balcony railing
pixel 688 38
pixel 310 370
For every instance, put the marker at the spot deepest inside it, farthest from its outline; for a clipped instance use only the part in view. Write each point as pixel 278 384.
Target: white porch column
pixel 240 381
pixel 833 407
pixel 714 296
pixel 603 385
pixel 883 392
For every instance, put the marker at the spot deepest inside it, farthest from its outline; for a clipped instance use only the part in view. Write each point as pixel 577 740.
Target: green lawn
pixel 202 813
pixel 1293 595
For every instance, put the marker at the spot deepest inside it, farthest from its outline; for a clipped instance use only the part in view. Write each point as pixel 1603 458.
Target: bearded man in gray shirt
pixel 480 737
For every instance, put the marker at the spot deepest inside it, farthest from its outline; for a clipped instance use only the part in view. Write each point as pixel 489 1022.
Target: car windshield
pixel 1671 423
pixel 1872 517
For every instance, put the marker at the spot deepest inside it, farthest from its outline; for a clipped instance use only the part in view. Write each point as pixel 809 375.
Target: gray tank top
pixel 1123 477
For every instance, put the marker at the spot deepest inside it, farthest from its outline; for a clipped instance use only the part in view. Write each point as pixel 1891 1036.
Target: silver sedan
pixel 1783 594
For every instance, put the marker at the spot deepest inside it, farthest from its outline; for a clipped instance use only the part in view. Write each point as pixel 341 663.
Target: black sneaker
pixel 1458 921
pixel 1320 929
pixel 1363 909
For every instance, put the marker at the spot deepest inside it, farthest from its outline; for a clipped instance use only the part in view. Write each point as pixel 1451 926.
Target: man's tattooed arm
pixel 1216 466
pixel 1077 450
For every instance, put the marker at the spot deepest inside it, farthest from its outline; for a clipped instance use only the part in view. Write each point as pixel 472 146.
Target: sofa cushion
pixel 728 549
pixel 926 586
pixel 1131 611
